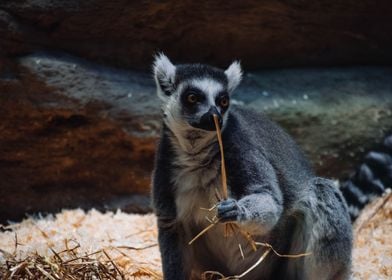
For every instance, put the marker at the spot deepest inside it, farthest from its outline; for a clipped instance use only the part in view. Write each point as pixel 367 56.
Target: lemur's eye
pixel 224 101
pixel 192 98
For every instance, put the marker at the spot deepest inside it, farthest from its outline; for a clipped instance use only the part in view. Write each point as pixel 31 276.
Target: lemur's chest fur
pixel 197 176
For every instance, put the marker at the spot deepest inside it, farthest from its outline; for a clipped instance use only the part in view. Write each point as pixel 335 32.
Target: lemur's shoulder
pixel 256 124
pixel 248 130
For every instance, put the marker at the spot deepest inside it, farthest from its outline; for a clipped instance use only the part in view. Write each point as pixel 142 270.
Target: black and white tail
pixel 372 178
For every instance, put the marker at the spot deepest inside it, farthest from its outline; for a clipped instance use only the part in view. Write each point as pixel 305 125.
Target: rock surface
pixel 76 133
pixel 57 151
pixel 260 33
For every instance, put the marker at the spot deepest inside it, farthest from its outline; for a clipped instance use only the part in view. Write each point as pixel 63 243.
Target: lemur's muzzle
pixel 207 120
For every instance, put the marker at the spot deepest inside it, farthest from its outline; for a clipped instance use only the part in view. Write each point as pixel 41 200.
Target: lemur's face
pixel 193 93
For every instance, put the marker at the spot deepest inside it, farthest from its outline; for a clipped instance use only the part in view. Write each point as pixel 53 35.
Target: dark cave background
pixel 79 116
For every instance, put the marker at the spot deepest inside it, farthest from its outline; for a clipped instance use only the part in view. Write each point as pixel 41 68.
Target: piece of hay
pixel 222 153
pixel 210 274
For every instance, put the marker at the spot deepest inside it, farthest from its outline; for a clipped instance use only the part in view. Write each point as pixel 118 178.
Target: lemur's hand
pixel 230 211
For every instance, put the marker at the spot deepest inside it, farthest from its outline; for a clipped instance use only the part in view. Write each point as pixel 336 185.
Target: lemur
pixel 371 179
pixel 273 193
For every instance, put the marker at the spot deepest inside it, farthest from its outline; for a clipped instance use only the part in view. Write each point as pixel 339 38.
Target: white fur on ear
pixel 234 75
pixel 164 75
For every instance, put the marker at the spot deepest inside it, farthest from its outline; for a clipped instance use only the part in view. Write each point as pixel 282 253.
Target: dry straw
pixel 71 263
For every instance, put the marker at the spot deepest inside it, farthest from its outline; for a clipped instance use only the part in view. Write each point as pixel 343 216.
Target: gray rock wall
pixel 260 33
pixel 74 133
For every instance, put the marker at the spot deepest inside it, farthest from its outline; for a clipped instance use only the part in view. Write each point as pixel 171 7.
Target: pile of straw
pixel 78 245
pixel 372 255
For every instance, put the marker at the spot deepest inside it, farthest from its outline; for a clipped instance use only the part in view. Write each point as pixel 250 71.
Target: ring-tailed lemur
pixel 372 178
pixel 273 193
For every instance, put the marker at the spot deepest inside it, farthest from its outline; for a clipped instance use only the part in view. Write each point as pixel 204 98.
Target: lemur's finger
pixel 227 205
pixel 226 208
pixel 228 216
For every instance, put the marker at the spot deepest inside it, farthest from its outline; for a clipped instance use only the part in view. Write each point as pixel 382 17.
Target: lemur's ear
pixel 234 75
pixel 164 75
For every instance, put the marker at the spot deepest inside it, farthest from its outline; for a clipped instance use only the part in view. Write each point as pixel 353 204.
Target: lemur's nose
pixel 207 120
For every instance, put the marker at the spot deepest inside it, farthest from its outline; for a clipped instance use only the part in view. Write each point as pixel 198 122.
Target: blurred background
pixel 79 117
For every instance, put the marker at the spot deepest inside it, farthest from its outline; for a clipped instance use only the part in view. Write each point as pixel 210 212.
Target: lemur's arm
pixel 256 197
pixel 165 209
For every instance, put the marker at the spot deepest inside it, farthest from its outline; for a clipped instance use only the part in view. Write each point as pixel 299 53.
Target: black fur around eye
pixel 191 98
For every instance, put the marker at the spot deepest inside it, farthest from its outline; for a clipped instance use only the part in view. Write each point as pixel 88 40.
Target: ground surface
pixel 129 241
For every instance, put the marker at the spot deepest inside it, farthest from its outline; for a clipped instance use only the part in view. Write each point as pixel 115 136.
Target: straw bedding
pixel 78 245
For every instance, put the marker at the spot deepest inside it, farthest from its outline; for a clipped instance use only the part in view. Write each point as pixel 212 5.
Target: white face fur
pixel 210 89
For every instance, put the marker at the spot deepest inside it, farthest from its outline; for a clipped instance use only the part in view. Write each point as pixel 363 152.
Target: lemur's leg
pixel 323 228
pixel 171 253
pixel 170 244
pixel 164 204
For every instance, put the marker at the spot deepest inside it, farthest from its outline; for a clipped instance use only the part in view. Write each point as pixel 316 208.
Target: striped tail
pixel 371 179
